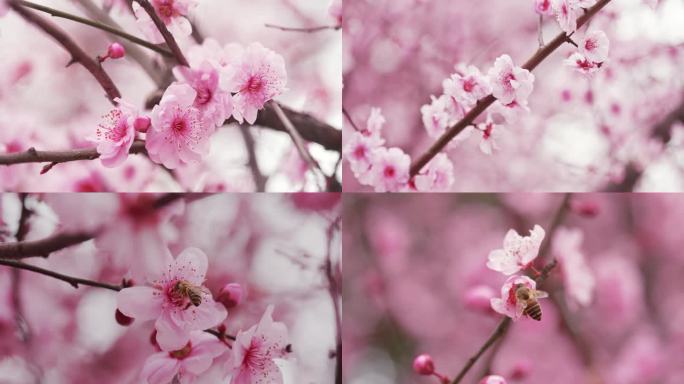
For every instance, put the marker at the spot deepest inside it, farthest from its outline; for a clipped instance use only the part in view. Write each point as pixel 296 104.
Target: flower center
pixel 488 131
pixel 254 356
pixel 165 8
pixel 179 125
pixel 182 353
pixel 254 84
pixel 468 85
pixel 203 96
pixel 390 172
pixel 360 152
pixel 507 81
pixel 590 45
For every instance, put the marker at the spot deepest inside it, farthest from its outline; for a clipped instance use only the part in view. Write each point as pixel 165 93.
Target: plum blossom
pixel 509 82
pixel 437 176
pixel 259 76
pixel 436 116
pixel 255 349
pixel 390 169
pixel 178 134
pixel 508 113
pixel 517 252
pixel 168 301
pixel 567 12
pixel 359 152
pixel 493 379
pixel 185 363
pixel 581 64
pixel 579 279
pixel 215 104
pixel 490 134
pixel 543 7
pixel 467 86
pixel 172 12
pixel 595 46
pixel 115 135
pixel 508 304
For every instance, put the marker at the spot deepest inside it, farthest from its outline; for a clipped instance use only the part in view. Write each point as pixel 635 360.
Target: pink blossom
pixel 493 379
pixel 424 365
pixel 437 176
pixel 490 135
pixel 185 363
pixel 595 46
pixel 255 349
pixel 215 104
pixel 168 303
pixel 115 135
pixel 543 7
pixel 508 113
pixel 178 134
pixel 579 279
pixel 567 12
pixel 467 86
pixel 231 295
pixel 171 12
pixel 509 304
pixel 259 77
pixel 359 152
pixel 517 252
pixel 390 170
pixel 375 122
pixel 581 64
pixel 509 82
pixel 435 116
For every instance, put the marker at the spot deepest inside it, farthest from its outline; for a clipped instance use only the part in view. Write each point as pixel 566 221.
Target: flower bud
pixel 521 370
pixel 230 295
pixel 122 319
pixel 141 123
pixel 424 365
pixel 116 51
pixel 586 208
pixel 493 379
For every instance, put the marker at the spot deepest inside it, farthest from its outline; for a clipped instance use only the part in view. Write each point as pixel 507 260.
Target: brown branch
pixel 305 30
pixel 259 178
pixel 73 281
pixel 168 37
pixel 484 103
pixel 77 54
pixel 43 247
pixel 334 290
pixel 55 157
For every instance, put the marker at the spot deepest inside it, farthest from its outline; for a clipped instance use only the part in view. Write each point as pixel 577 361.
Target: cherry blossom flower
pixel 508 113
pixel 567 12
pixel 490 134
pixel 543 7
pixel 115 135
pixel 517 253
pixel 581 64
pixel 467 86
pixel 171 12
pixel 254 352
pixel 390 170
pixel 215 104
pixel 595 46
pixel 493 379
pixel 579 279
pixel 509 82
pixel 435 116
pixel 359 152
pixel 508 304
pixel 178 134
pixel 375 122
pixel 185 363
pixel 259 77
pixel 168 301
pixel 437 176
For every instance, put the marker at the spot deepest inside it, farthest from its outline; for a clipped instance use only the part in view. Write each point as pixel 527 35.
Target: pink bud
pixel 230 295
pixel 141 124
pixel 586 208
pixel 122 319
pixel 424 365
pixel 116 51
pixel 521 370
pixel 493 379
pixel 478 298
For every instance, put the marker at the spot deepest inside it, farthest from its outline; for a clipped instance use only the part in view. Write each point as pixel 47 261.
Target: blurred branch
pixel 168 37
pixel 259 178
pixel 43 247
pixel 334 290
pixel 55 157
pixel 22 230
pixel 77 54
pixel 305 30
pixel 662 132
pixel 95 24
pixel 351 121
pixel 484 103
pixel 73 281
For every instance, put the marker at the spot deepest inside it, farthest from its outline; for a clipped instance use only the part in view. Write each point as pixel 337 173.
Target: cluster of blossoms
pixel 182 309
pixel 591 54
pixel 173 13
pixel 387 169
pixel 219 83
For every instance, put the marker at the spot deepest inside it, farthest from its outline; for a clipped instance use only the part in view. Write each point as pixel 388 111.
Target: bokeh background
pixel 273 245
pixel 589 135
pixel 412 261
pixel 45 105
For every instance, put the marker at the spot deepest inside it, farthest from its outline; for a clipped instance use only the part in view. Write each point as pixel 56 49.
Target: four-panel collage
pixel 341 191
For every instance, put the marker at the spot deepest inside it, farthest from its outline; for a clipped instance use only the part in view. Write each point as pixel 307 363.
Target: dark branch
pixel 168 37
pixel 43 247
pixel 73 281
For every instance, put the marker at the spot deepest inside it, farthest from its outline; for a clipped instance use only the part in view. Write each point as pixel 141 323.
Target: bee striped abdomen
pixel 534 311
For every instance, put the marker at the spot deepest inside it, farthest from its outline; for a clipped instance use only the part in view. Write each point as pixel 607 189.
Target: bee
pixel 527 301
pixel 192 292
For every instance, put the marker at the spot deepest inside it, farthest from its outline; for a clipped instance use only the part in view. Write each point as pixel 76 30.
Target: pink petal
pixel 160 369
pixel 207 315
pixel 141 303
pixel 191 265
pixel 170 335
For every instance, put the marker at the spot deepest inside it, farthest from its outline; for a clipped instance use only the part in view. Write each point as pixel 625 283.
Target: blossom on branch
pixel 115 135
pixel 172 12
pixel 510 83
pixel 517 253
pixel 595 46
pixel 178 301
pixel 509 304
pixel 467 86
pixel 543 7
pixel 581 64
pixel 255 350
pixel 215 104
pixel 567 12
pixel 390 169
pixel 437 176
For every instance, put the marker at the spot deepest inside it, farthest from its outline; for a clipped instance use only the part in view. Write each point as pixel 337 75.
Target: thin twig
pixel 55 157
pixel 73 281
pixel 43 247
pixel 334 292
pixel 259 178
pixel 540 38
pixel 77 54
pixel 351 121
pixel 484 103
pixel 98 25
pixel 168 37
pixel 305 30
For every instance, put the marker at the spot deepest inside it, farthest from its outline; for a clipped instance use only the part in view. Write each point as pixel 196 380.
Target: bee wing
pixel 520 307
pixel 541 294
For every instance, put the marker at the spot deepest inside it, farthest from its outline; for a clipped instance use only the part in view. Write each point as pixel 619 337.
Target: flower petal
pixel 142 303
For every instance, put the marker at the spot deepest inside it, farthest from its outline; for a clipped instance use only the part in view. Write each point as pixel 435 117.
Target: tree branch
pixel 43 247
pixel 55 157
pixel 305 30
pixel 77 54
pixel 259 178
pixel 334 292
pixel 484 103
pixel 168 37
pixel 73 281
